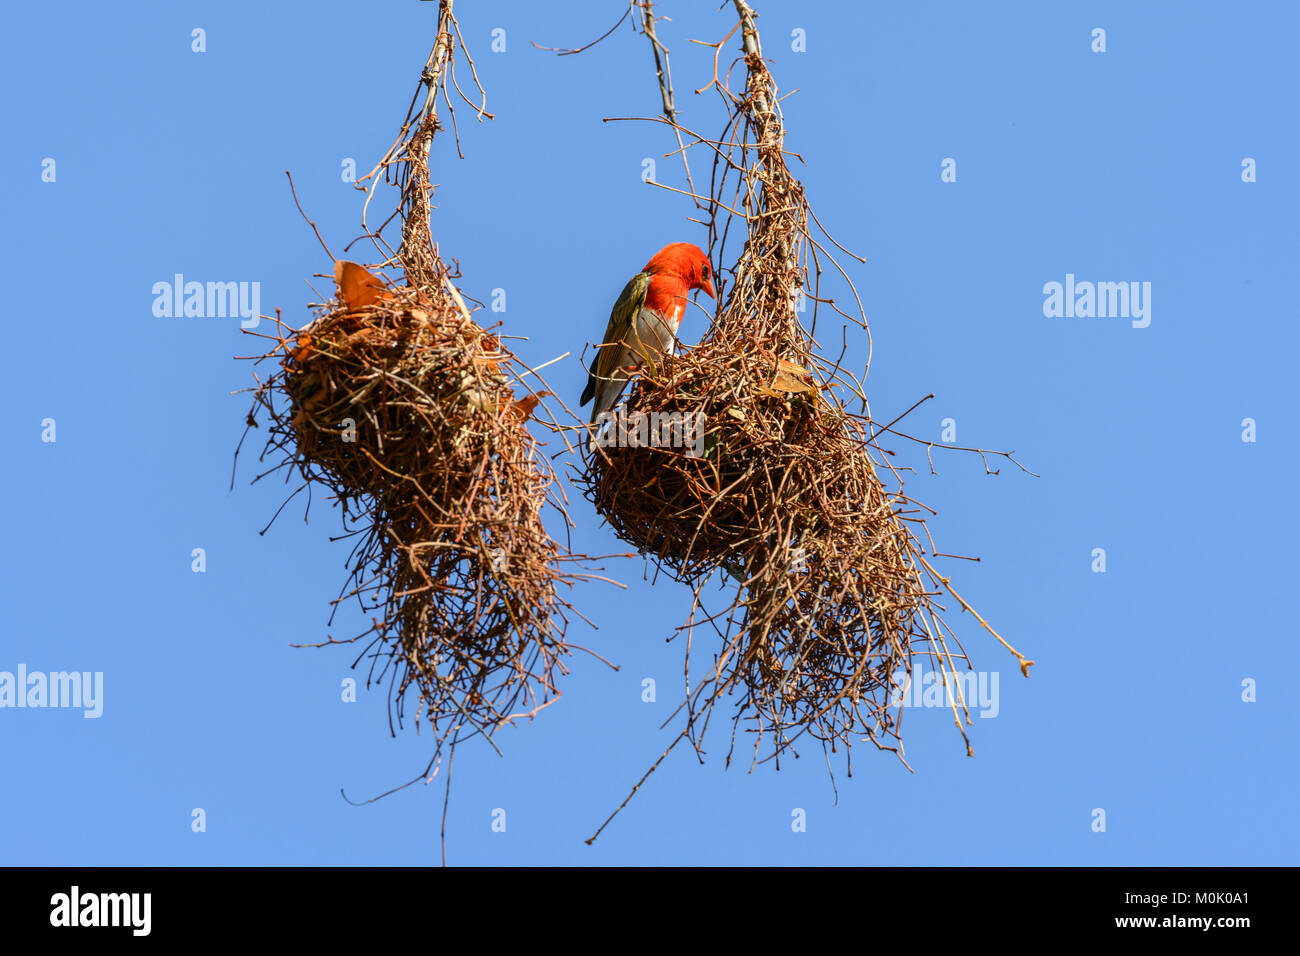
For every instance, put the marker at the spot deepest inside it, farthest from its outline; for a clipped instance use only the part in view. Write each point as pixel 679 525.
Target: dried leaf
pixel 523 409
pixel 303 350
pixel 791 378
pixel 492 355
pixel 362 335
pixel 358 287
pixel 317 398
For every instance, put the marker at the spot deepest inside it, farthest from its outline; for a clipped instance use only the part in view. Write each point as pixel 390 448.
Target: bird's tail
pixel 596 426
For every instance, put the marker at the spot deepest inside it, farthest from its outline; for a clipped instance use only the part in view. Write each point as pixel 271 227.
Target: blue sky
pixel 1117 166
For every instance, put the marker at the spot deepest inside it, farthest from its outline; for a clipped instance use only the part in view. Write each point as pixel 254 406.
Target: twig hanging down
pixel 587 46
pixel 663 71
pixel 665 75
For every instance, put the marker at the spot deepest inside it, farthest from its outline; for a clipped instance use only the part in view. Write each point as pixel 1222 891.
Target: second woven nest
pixel 782 494
pixel 827 591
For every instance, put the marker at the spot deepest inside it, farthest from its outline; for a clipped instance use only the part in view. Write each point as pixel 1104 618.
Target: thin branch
pixel 586 46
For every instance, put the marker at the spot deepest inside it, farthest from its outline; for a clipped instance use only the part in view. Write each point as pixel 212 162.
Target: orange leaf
pixel 790 378
pixel 304 349
pixel 316 398
pixel 522 410
pixel 491 357
pixel 361 336
pixel 358 287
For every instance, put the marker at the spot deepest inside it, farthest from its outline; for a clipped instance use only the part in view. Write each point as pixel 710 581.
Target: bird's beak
pixel 707 286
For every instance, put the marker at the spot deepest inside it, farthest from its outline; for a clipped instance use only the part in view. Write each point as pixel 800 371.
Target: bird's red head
pixel 686 261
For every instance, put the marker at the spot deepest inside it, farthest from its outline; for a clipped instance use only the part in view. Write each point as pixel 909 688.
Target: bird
pixel 644 321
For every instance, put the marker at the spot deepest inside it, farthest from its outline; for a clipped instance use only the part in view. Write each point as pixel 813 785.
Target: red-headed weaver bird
pixel 643 324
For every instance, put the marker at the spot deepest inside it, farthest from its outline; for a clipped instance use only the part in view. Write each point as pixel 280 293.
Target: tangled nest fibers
pixel 451 484
pixel 835 593
pixel 401 407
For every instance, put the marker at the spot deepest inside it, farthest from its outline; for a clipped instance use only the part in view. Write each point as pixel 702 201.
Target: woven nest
pixel 828 592
pixel 403 409
pixel 783 495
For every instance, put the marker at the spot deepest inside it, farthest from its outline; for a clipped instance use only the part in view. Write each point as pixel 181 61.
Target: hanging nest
pixel 401 406
pixel 785 498
pixel 833 591
pixel 409 415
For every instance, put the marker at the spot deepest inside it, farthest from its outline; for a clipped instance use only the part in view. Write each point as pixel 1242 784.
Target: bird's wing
pixel 621 320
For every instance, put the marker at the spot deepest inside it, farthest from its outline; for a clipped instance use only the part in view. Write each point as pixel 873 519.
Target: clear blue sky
pixel 1116 166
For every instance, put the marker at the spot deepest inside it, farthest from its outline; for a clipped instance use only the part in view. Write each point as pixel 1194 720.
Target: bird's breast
pixel 658 329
